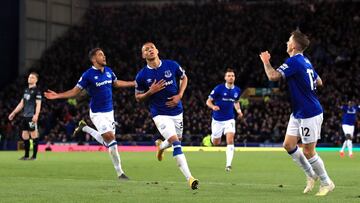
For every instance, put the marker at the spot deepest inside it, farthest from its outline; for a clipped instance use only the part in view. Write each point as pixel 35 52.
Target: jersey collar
pixel 228 87
pixel 156 67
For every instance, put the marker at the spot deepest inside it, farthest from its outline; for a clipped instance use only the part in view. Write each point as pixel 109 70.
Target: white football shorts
pixel 103 121
pixel 348 129
pixel 219 128
pixel 308 129
pixel 169 125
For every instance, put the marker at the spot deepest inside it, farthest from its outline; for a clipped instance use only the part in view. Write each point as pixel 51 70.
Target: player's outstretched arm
pixel 16 110
pixel 122 83
pixel 211 105
pixel 174 100
pixel 271 73
pixel 155 87
pixel 49 94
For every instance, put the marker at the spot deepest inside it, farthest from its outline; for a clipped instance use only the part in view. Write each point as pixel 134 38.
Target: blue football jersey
pixel 99 86
pixel 224 98
pixel 301 79
pixel 169 71
pixel 349 114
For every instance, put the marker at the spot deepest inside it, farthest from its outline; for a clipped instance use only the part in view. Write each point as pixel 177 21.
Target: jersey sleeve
pixel 179 72
pixel 139 84
pixel 113 76
pixel 238 95
pixel 38 95
pixel 83 82
pixel 214 93
pixel 288 68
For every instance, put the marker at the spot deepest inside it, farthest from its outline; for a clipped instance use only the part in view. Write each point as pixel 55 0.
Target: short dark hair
pixel 93 51
pixel 301 39
pixel 229 70
pixel 36 74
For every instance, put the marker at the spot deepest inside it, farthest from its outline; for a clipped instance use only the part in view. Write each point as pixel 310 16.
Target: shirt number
pixel 310 72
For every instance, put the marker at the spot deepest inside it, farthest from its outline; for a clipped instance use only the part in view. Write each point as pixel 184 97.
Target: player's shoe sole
pixel 325 189
pixel 159 152
pixel 193 183
pixel 81 125
pixel 310 183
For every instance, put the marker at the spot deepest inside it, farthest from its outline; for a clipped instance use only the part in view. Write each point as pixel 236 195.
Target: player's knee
pixel 288 147
pixel 108 137
pixel 215 141
pixel 308 153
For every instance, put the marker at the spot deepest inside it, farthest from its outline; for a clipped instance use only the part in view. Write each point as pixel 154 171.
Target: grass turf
pixel 90 177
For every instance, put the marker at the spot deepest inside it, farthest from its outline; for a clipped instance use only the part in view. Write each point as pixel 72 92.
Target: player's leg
pixel 83 127
pixel 35 137
pixel 111 144
pixel 290 145
pixel 25 135
pixel 230 147
pixel 349 145
pixel 345 142
pixel 349 140
pixel 310 133
pixel 105 124
pixel 167 129
pixel 217 130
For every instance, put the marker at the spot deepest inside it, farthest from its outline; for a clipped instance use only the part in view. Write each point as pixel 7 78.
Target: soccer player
pixel 222 100
pixel 98 80
pixel 307 113
pixel 156 84
pixel 31 103
pixel 348 125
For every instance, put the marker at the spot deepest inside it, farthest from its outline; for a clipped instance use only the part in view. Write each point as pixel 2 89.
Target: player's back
pixel 301 78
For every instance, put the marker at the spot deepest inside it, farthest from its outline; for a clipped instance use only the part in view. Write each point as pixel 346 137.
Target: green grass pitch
pixel 90 177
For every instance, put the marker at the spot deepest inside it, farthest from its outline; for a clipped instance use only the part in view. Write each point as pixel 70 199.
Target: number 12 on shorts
pixel 305 131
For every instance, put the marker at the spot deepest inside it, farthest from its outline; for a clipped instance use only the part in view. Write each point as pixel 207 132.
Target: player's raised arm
pixel 271 73
pixel 122 83
pixel 18 108
pixel 49 94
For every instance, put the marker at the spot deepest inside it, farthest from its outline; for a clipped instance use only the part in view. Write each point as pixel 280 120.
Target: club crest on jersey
pixel 26 96
pixel 149 80
pixel 96 77
pixel 236 95
pixel 108 74
pixel 168 74
pixel 225 94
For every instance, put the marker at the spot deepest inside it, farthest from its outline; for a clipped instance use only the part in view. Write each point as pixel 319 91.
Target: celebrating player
pixel 98 80
pixel 222 100
pixel 348 126
pixel 156 83
pixel 307 113
pixel 31 103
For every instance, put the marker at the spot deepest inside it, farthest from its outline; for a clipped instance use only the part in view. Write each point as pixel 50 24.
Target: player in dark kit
pixel 31 103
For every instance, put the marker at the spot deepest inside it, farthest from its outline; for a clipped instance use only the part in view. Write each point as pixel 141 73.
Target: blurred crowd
pixel 204 39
